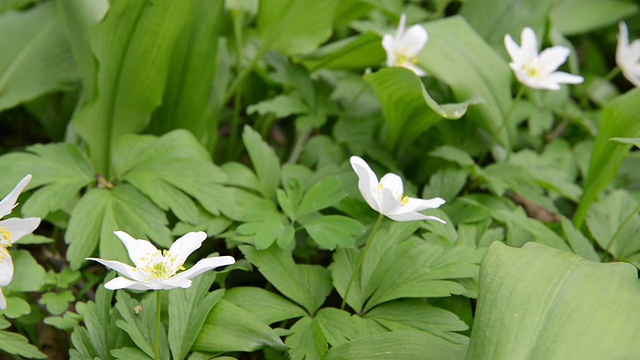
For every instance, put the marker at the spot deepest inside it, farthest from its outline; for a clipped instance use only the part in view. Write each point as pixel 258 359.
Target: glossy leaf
pixel 267 306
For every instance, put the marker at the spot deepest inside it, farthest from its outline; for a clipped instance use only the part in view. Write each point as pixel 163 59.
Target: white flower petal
pixel 414 40
pixel 3 301
pixel 176 282
pixel 19 227
pixel 400 31
pixel 203 266
pixel 123 283
pixel 413 216
pixel 184 246
pixel 529 44
pixel 139 250
pixel 121 268
pixel 393 182
pixel 513 49
pixel 551 58
pixel 414 204
pixel 389 203
pixel 6 267
pixel 388 44
pixel 560 77
pixel 367 181
pixel 9 202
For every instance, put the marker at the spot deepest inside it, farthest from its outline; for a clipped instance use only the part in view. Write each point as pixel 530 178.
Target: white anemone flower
pixel 386 196
pixel 628 55
pixel 403 48
pixel 11 230
pixel 538 71
pixel 159 270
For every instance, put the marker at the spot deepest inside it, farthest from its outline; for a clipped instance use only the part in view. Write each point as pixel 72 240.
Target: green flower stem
pixel 510 111
pixel 156 346
pixel 361 260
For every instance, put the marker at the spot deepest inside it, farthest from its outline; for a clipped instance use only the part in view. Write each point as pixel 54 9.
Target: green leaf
pixel 338 326
pixel 17 344
pixel 472 70
pixel 171 170
pixel 357 52
pixel 266 227
pixel 281 106
pixel 36 59
pixel 408 108
pixel 65 322
pixel 101 332
pixel 131 324
pixel 133 46
pixel 578 242
pixel 16 307
pixel 128 353
pixel 265 305
pixel 100 212
pixel 618 120
pixel 453 154
pixel 334 230
pixel 307 341
pixel 528 296
pixel 295 26
pixel 57 303
pixel 321 195
pixel 28 275
pixel 614 224
pixel 230 328
pixel 187 99
pixel 571 17
pixel 634 141
pixel 264 161
pixel 493 19
pixel 401 345
pixel 418 315
pixel 60 171
pixel 188 310
pixel 307 285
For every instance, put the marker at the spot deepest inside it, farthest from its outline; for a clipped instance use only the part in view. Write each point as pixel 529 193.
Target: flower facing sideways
pixel 538 71
pixel 386 196
pixel 159 270
pixel 11 230
pixel 403 48
pixel 628 55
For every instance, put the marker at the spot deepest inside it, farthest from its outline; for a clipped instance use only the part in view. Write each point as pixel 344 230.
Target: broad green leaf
pixel 307 285
pixel 101 332
pixel 578 242
pixel 28 275
pixel 60 171
pixel 35 59
pixel 265 228
pixel 17 344
pixel 634 141
pixel 400 345
pixel 453 154
pixel 571 17
pixel 264 161
pixel 187 98
pixel 418 315
pixel 446 183
pixel 338 326
pixel 57 303
pixel 265 305
pixel 539 302
pixel 65 322
pixel 281 106
pixel 356 52
pixel 133 46
pixel 230 328
pixel 334 230
pixel 171 170
pixel 307 341
pixel 618 120
pixel 322 194
pixel 295 26
pixel 128 353
pixel 408 108
pixel 100 212
pixel 492 19
pixel 188 310
pixel 132 322
pixel 471 68
pixel 16 307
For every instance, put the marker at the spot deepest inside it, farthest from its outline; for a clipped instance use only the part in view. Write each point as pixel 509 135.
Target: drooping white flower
pixel 403 48
pixel 386 196
pixel 538 71
pixel 11 230
pixel 628 55
pixel 160 270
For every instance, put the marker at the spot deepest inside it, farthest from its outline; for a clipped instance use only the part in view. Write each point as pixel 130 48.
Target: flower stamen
pixel 5 237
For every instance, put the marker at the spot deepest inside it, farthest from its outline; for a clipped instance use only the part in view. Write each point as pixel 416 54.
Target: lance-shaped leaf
pixel 100 212
pixel 618 120
pixel 133 46
pixel 171 170
pixel 59 172
pixel 36 59
pixel 356 52
pixel 187 99
pixel 543 303
pixel 295 26
pixel 408 108
pixel 457 55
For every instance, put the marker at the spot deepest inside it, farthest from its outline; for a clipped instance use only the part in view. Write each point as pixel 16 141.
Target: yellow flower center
pixel 160 265
pixel 404 200
pixel 402 59
pixel 531 71
pixel 5 237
